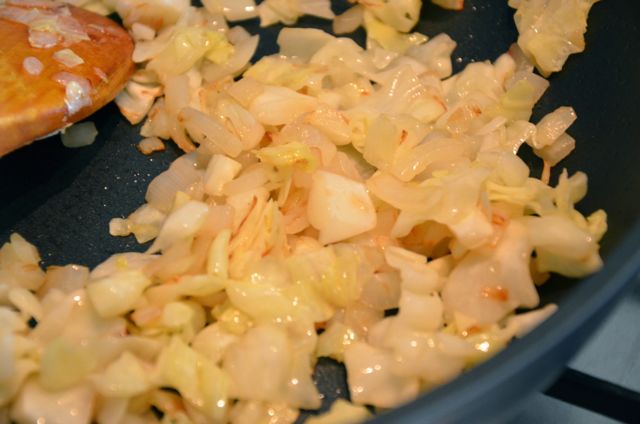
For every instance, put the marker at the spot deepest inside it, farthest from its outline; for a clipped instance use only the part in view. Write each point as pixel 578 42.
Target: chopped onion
pixel 136 99
pixel 67 279
pixel 26 302
pixel 339 208
pixel 552 126
pixel 182 175
pixel 68 58
pixel 35 403
pixel 220 171
pixel 100 73
pixel 239 10
pixel 522 324
pixel 545 43
pixel 371 379
pixel 348 21
pixel 118 293
pixel 77 91
pixel 149 145
pixel 450 4
pixel 557 151
pixel 342 411
pixel 209 132
pixel 278 105
pixel 181 224
pixel 251 179
pixel 302 42
pixel 142 32
pixel 43 39
pixel 32 65
pixel 79 135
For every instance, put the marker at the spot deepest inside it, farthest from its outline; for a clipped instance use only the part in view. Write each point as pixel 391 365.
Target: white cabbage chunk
pixel 401 15
pixel 388 37
pixel 203 384
pixel 126 377
pixel 263 366
pixel 493 281
pixel 116 294
pixel 288 11
pixel 371 379
pixel 342 412
pixel 19 266
pixel 550 31
pixel 339 207
pixel 563 247
pixel 432 357
pixel 72 406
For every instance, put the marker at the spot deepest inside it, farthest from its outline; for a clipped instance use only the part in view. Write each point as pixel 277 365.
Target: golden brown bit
pixel 499 220
pixel 254 202
pixel 540 278
pixel 498 293
pixel 172 280
pixel 167 402
pixel 183 141
pixel 474 329
pixel 403 136
pixel 30 267
pixel 441 102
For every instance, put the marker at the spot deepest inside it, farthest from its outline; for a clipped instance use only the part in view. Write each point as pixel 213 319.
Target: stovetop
pixel 611 356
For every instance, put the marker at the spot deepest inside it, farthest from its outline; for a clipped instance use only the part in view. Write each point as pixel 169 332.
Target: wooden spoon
pixel 58 64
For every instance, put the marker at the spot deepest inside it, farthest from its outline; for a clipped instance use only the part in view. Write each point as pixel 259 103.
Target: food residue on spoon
pixel 77 91
pixel 68 58
pixel 32 65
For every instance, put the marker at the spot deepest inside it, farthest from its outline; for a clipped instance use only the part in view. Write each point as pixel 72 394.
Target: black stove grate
pixel 597 395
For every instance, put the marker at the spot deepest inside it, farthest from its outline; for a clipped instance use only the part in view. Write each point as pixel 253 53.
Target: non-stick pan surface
pixel 62 199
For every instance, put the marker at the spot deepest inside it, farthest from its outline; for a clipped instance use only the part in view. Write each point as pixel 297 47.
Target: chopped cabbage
pixel 288 11
pixel 388 37
pixel 371 378
pixel 491 282
pixel 187 46
pixel 339 207
pixel 203 384
pixel 126 377
pixel 262 366
pixel 342 412
pixel 72 406
pixel 401 15
pixel 359 203
pixel 116 294
pixel 551 30
pixel 19 267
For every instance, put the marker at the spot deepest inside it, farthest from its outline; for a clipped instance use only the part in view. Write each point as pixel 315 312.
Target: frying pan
pixel 62 199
